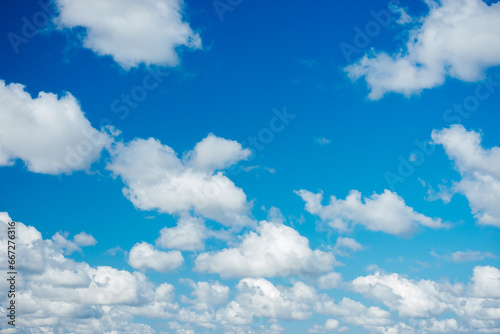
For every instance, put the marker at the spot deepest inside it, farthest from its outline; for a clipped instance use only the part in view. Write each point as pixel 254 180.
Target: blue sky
pixel 252 167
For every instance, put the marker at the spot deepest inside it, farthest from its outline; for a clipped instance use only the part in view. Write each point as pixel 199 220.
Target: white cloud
pixel 412 299
pixel 476 305
pixel 461 256
pixel 442 326
pixel 386 212
pixel 49 133
pixel 457 38
pixel 84 239
pixel 275 250
pixel 479 169
pixel 258 297
pixel 59 294
pixel 143 256
pixel 207 295
pixel 274 215
pixel 330 280
pixel 344 245
pixel 404 18
pixel 355 313
pixel 157 179
pixel 486 282
pixel 80 240
pixel 189 235
pixel 132 32
pixel 322 141
pixel 329 326
pixel 215 153
pixel 444 194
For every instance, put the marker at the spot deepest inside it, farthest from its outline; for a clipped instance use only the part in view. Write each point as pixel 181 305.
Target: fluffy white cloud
pixel 476 305
pixel 355 313
pixel 386 212
pixel 207 295
pixel 442 326
pixel 460 256
pixel 49 133
pixel 84 239
pixel 486 282
pixel 132 32
pixel 258 297
pixel 275 250
pixel 214 153
pixel 457 38
pixel 157 179
pixel 412 299
pixel 189 234
pixel 143 256
pixel 58 294
pixel 479 169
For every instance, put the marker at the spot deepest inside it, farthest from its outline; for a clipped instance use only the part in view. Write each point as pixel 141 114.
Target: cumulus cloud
pixel 258 297
pixel 486 282
pixel 460 256
pixel 420 299
pixel 386 212
pixel 214 153
pixel 189 234
pixel 143 256
pixel 156 179
pixel 59 294
pixel 84 239
pixel 355 313
pixel 457 39
pixel 207 295
pixel 479 169
pixel 50 134
pixel 132 32
pixel 274 250
pixel 476 305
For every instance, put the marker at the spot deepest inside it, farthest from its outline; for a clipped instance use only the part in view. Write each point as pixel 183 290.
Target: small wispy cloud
pixel 444 192
pixel 250 168
pixel 270 170
pixel 466 256
pixel 322 141
pixel 346 245
pixel 115 250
